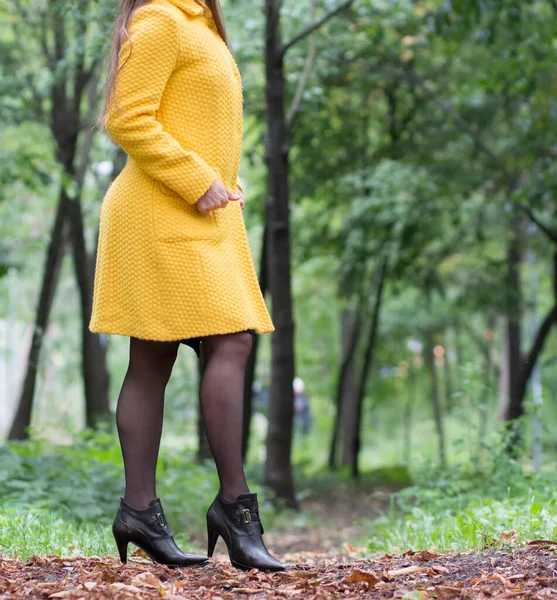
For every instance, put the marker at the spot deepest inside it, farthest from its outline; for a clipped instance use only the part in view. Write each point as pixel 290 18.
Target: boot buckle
pixel 161 519
pixel 246 514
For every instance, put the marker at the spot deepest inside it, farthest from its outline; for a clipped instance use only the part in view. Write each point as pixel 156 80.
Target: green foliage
pixel 62 499
pixel 470 509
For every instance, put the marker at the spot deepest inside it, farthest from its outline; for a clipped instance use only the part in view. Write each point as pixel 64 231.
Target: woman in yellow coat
pixel 174 265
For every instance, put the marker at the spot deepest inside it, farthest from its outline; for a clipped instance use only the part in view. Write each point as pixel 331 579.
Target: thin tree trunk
pixel 448 379
pixel 516 407
pixel 504 376
pixel 514 321
pixel 484 404
pixel 407 418
pixel 346 371
pixel 437 412
pixel 252 360
pixel 366 367
pixel 349 402
pixel 278 467
pixel 51 275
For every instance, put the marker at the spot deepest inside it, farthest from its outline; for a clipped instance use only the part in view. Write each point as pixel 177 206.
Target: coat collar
pixel 192 7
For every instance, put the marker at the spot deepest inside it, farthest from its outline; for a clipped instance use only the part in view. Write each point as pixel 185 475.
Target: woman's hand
pixel 217 196
pixel 241 198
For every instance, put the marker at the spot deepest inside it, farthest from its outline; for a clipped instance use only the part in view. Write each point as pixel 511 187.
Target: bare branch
pixel 552 235
pixel 531 358
pixel 304 77
pixel 314 26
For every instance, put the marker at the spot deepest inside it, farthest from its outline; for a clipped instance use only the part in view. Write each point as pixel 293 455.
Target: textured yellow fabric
pixel 164 271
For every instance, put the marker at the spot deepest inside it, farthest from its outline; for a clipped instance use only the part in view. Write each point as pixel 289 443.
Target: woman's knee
pixel 153 358
pixel 232 346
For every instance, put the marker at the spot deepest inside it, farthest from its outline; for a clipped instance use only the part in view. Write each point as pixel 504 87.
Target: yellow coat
pixel 164 271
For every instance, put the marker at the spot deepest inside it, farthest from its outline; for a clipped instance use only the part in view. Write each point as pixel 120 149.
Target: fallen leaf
pixel 90 585
pixel 146 579
pixel 425 555
pixel 446 592
pixel 61 594
pixel 538 544
pixel 246 591
pixel 405 570
pixel 140 553
pixel 439 569
pixel 349 548
pixel 359 576
pixel 127 588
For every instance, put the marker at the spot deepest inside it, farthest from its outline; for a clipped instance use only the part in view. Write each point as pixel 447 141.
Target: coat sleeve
pixel 147 59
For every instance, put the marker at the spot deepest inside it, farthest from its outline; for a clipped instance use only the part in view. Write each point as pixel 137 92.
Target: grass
pixel 482 524
pixel 61 499
pixel 25 532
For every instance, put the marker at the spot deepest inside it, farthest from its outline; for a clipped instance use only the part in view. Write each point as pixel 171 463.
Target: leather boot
pixel 239 526
pixel 149 530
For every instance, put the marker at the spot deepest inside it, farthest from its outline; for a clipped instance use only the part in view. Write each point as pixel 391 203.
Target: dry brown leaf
pixel 538 545
pixel 132 589
pixel 446 592
pixel 90 585
pixel 425 555
pixel 349 548
pixel 246 591
pixel 61 594
pixel 405 570
pixel 360 576
pixel 146 579
pixel 439 569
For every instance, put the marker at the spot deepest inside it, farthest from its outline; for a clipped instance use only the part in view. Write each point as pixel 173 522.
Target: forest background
pixel 399 162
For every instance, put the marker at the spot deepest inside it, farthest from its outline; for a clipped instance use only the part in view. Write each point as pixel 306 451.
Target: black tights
pixel 139 414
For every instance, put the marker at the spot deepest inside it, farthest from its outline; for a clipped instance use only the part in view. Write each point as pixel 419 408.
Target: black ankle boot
pixel 149 530
pixel 239 526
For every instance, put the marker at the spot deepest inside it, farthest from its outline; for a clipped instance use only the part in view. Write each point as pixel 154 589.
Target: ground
pixel 529 573
pixel 321 563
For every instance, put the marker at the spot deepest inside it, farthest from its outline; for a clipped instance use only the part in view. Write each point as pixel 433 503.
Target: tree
pixel 63 37
pixel 278 470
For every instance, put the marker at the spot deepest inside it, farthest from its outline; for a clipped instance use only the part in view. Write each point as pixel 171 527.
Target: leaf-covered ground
pixel 529 572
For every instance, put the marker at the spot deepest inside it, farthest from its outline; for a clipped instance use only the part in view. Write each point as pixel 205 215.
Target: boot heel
pixel 212 537
pixel 122 544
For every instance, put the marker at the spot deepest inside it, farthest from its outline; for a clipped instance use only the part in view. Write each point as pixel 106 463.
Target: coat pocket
pixel 175 220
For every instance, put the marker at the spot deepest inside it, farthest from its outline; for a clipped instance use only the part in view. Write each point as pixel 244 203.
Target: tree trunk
pixel 504 376
pixel 448 379
pixel 51 275
pixel 252 361
pixel 528 362
pixel 349 402
pixel 514 321
pixel 278 468
pixel 407 418
pixel 350 333
pixel 437 412
pixel 95 373
pixel 366 367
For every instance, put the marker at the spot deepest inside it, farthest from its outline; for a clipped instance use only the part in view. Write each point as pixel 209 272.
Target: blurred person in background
pixel 302 410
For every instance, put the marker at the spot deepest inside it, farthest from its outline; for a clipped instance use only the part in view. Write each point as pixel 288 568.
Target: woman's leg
pixel 222 397
pixel 139 416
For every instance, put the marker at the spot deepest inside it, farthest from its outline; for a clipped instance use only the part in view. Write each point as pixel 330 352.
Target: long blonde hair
pixel 120 33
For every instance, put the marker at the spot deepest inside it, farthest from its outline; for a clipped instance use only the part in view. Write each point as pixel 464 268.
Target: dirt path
pixel 529 573
pixel 337 517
